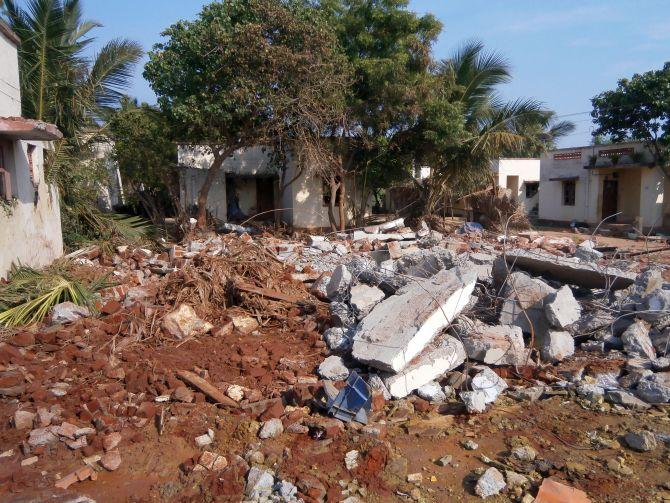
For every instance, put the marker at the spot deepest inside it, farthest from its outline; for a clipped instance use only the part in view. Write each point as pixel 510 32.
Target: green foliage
pixel 29 294
pixel 638 109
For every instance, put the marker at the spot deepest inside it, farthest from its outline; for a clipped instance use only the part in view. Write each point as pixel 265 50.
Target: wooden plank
pixel 266 292
pixel 210 391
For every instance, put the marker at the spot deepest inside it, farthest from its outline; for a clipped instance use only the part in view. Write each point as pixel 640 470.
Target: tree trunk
pixel 207 184
pixel 343 195
pixel 331 204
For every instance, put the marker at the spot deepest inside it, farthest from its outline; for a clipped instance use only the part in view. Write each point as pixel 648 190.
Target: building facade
pixel 30 226
pixel 522 178
pixel 589 184
pixel 249 184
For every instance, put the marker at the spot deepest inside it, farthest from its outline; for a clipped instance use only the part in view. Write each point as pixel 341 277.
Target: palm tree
pixel 492 128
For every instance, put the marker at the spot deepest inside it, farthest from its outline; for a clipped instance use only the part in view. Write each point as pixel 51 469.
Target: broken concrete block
pixel 555 345
pixel 341 315
pixel 636 340
pixel 340 281
pixel 271 428
pixel 23 419
pixel 489 383
pixel 655 389
pixel 445 354
pixel 393 224
pixel 425 263
pixel 400 327
pixel 333 368
pixel 67 312
pixel 586 251
pixel 243 323
pixel 364 298
pixel 641 441
pixel 626 399
pixel 498 345
pixel 338 339
pixel 490 484
pixel 561 308
pixel 111 460
pixel 569 270
pixel 432 391
pixel 524 301
pixel 259 484
pixel 42 436
pixel 312 239
pixel 376 383
pixel 183 322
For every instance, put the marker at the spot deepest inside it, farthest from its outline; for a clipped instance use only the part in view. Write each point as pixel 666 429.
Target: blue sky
pixel 562 52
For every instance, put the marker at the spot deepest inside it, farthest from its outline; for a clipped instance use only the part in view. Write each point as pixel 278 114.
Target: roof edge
pixel 9 33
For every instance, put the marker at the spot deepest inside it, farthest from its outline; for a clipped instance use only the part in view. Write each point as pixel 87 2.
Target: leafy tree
pixel 638 109
pixel 249 72
pixel 147 157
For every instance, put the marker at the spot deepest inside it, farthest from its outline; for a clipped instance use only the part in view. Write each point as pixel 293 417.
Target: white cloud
pixel 557 19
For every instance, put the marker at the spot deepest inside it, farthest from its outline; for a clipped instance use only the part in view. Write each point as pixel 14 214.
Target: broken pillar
pixel 400 327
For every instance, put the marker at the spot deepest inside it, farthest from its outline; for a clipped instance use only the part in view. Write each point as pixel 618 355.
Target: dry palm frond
pixel 30 294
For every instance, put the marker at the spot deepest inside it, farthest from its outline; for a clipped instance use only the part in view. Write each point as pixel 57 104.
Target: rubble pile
pixel 234 344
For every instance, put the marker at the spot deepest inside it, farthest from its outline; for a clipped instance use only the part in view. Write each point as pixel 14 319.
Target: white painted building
pixel 590 183
pixel 30 227
pixel 248 184
pixel 521 177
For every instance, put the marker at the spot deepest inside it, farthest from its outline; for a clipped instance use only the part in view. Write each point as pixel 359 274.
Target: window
pixel 569 193
pixel 531 189
pixel 5 177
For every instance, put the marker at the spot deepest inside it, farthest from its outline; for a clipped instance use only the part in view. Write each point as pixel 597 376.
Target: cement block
pixel 364 298
pixel 339 283
pixel 497 345
pixel 400 327
pixel 555 345
pixel 562 309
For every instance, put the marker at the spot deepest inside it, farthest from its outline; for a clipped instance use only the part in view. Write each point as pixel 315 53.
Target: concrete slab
pixel 570 270
pixel 443 355
pixel 399 328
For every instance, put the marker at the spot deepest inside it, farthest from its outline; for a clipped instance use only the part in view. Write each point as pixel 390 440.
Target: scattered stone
pixel 475 401
pixel 444 460
pixel 656 389
pixel 111 460
pixel 495 345
pixel 523 453
pixel 338 339
pixel 469 445
pixel 271 428
pixel 364 298
pixel 515 479
pixel 67 312
pixel 183 322
pixel 183 394
pixel 591 392
pixel 552 491
pixel 490 484
pixel 203 440
pixel 562 309
pixel 414 478
pixel 399 328
pixel 524 300
pixel 29 461
pixel 23 419
pixel 489 383
pixel 235 392
pixel 626 399
pixel 351 460
pixel 42 436
pixel 636 340
pixel 555 346
pixel 333 368
pixel 111 440
pixel 586 251
pixel 244 324
pixel 432 391
pixel 531 394
pixel 259 484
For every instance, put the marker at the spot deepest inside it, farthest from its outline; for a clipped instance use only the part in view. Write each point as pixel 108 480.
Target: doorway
pixel 610 197
pixel 265 201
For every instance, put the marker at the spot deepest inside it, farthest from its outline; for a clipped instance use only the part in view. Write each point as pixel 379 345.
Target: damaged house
pixel 588 184
pixel 249 184
pixel 30 226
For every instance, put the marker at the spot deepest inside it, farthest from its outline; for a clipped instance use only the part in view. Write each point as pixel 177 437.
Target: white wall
pixel 519 171
pixel 10 93
pixel 31 234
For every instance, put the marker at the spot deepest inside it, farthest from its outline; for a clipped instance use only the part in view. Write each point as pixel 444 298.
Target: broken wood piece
pixel 210 391
pixel 266 292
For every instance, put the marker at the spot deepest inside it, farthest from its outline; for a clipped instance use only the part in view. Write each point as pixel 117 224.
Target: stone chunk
pixel 556 346
pixel 626 399
pixel 432 392
pixel 641 441
pixel 42 436
pixel 525 296
pixel 489 383
pixel 552 491
pixel 271 428
pixel 586 251
pixel 259 484
pixel 340 281
pixel 364 298
pixel 446 354
pixel 67 312
pixel 338 339
pixel 184 322
pixel 23 419
pixel 656 389
pixel 569 270
pixel 111 441
pixel 475 401
pixel 399 328
pixel 498 345
pixel 562 309
pixel 111 460
pixel 333 368
pixel 636 340
pixel 490 484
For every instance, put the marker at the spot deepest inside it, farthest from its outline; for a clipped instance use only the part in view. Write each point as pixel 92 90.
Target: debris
pixel 469 445
pixel 351 460
pixel 489 383
pixel 636 340
pixel 340 281
pixel 442 355
pixel 524 301
pixel 495 345
pixel 111 460
pixel 399 328
pixel 338 339
pixel 42 436
pixel 490 484
pixel 556 345
pixel 204 440
pixel 210 391
pixel 523 453
pixel 552 491
pixel 183 323
pixel 444 460
pixel 561 308
pixel 68 312
pixel 432 391
pixel 30 461
pixel 352 402
pixel 271 429
pixel 569 270
pixel 111 440
pixel 364 298
pixel 641 441
pixel 23 419
pixel 626 399
pixel 655 389
pixel 475 401
pixel 333 368
pixel 259 484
